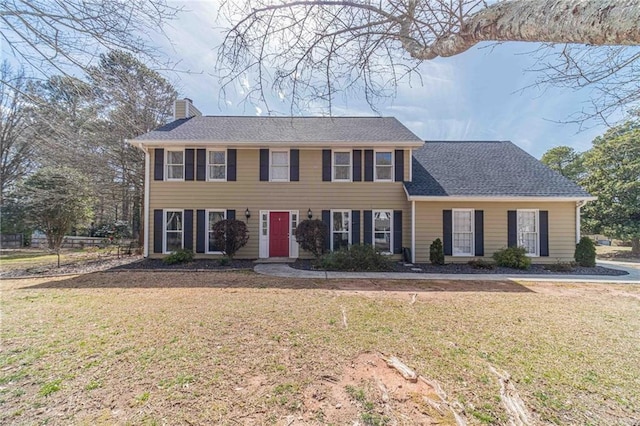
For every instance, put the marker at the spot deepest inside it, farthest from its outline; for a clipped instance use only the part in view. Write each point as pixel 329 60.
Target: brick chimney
pixel 183 108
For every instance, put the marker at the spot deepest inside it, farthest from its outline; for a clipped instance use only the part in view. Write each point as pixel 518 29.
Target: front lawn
pixel 239 348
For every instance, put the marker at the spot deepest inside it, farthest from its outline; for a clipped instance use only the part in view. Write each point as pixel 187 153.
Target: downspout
pixel 413 232
pixel 579 205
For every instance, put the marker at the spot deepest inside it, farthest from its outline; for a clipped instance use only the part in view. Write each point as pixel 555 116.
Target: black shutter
pixel 357 165
pixel 399 165
pixel 188 229
pixel 189 159
pixel 326 165
pixel 368 227
pixel 368 165
pixel 544 233
pixel 397 231
pixel 512 228
pixel 158 164
pixel 201 232
pixel 479 232
pixel 232 160
pixel 447 229
pixel 231 214
pixel 201 164
pixel 264 165
pixel 326 218
pixel 355 227
pixel 157 231
pixel 294 167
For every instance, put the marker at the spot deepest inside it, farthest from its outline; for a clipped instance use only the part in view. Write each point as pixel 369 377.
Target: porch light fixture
pixel 309 214
pixel 247 214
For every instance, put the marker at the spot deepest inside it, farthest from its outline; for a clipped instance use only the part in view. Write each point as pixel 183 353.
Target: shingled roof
pixel 251 130
pixel 484 169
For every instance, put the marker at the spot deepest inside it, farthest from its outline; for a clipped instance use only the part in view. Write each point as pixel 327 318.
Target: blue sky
pixel 476 95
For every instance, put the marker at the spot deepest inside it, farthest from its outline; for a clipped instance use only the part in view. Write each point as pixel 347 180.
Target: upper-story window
pixel 217 165
pixel 462 232
pixel 528 235
pixel 280 166
pixel 341 165
pixel 175 164
pixel 383 166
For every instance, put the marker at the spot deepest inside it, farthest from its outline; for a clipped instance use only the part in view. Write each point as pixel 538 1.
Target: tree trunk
pixel 635 246
pixel 595 22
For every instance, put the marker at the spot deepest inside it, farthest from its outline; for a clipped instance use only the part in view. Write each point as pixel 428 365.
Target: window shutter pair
pixel 195 164
pixel 397 230
pixel 478 231
pixel 356 165
pixel 158 230
pixel 294 165
pixel 512 227
pixel 201 231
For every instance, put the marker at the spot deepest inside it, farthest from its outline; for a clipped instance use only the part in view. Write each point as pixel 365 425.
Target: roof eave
pixel 251 144
pixel 498 198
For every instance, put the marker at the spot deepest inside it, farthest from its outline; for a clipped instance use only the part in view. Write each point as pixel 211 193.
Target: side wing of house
pixel 480 197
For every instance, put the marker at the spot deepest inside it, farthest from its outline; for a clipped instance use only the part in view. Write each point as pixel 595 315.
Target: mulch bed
pixel 199 264
pixel 463 268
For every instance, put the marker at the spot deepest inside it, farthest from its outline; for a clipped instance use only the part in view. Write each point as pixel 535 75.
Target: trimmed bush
pixel 312 236
pixel 560 267
pixel 585 254
pixel 179 256
pixel 355 258
pixel 481 264
pixel 436 252
pixel 231 235
pixel 512 257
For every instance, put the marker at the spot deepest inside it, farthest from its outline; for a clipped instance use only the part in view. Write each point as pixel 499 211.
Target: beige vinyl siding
pixel 248 192
pixel 180 109
pixel 562 227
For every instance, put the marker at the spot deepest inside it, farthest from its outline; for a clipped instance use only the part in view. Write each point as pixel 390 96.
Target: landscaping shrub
pixel 585 254
pixel 224 261
pixel 179 256
pixel 481 264
pixel 312 236
pixel 231 235
pixel 436 252
pixel 560 267
pixel 512 257
pixel 355 258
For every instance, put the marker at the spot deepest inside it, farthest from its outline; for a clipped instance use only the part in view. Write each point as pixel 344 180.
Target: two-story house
pixel 370 179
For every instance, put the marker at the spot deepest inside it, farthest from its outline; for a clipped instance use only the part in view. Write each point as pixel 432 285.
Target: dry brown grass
pixel 238 348
pixel 616 253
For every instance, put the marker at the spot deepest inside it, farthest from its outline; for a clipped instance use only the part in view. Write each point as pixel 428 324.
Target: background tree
pixel 16 152
pixel 54 200
pixel 313 50
pixel 613 175
pixel 566 161
pixel 63 35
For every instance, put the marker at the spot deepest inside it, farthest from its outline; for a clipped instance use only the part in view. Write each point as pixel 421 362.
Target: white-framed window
pixel 340 229
pixel 382 230
pixel 173 230
pixel 174 163
pixel 383 166
pixel 217 164
pixel 341 166
pixel 279 165
pixel 462 232
pixel 213 217
pixel 528 232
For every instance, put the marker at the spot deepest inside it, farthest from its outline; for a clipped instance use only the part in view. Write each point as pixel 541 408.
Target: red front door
pixel 279 234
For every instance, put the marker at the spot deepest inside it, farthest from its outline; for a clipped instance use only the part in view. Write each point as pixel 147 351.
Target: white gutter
pixel 494 198
pixel 300 145
pixel 413 232
pixel 147 163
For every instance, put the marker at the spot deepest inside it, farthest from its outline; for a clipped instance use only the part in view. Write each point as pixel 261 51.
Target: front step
pixel 276 260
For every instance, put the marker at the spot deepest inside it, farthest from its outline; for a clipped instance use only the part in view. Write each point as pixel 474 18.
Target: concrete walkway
pixel 285 271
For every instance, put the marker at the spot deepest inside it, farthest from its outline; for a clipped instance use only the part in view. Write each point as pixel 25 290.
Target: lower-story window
pixel 213 217
pixel 528 231
pixel 340 229
pixel 173 230
pixel 382 234
pixel 462 232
